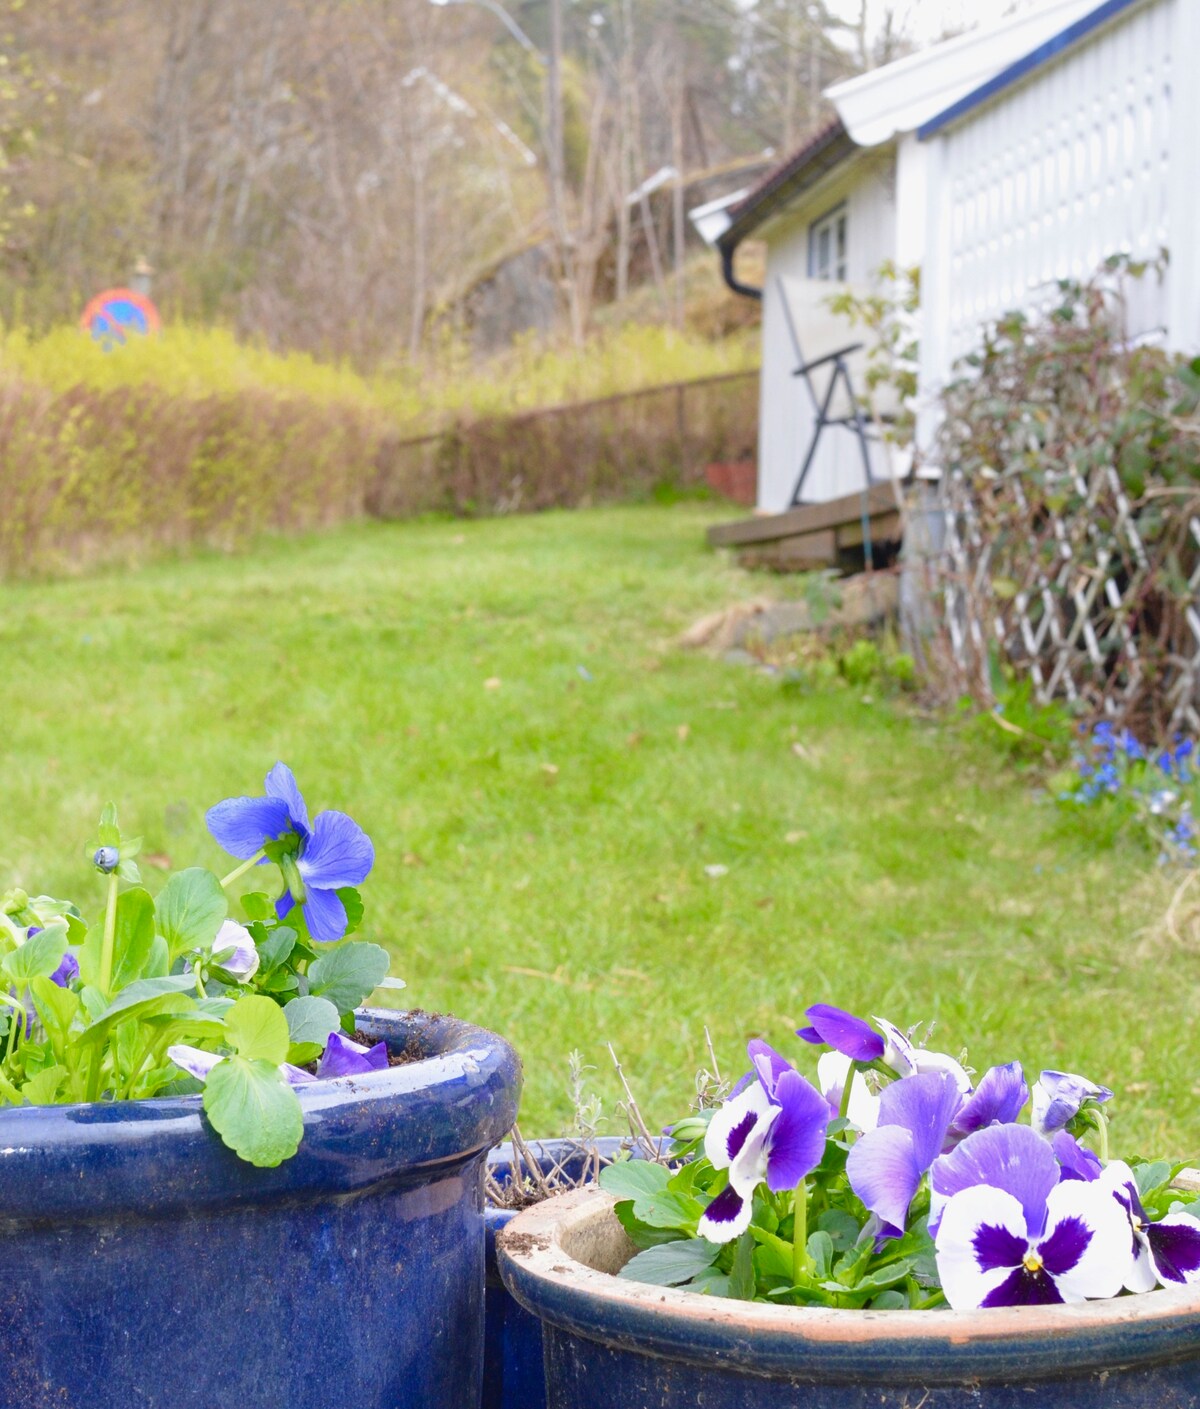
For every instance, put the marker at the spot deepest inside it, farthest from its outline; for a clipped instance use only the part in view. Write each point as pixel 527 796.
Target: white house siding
pixel 786 413
pixel 1051 177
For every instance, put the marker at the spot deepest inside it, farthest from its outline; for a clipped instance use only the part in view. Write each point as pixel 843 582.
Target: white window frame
pixel 829 245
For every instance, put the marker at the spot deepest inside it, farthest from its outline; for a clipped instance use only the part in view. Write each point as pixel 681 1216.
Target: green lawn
pixel 542 842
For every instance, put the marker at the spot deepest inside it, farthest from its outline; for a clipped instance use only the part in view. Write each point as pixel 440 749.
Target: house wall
pixel 786 412
pixel 1050 178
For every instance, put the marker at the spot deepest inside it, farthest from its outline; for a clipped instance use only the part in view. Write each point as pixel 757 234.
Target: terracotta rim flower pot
pixel 610 1341
pixel 143 1263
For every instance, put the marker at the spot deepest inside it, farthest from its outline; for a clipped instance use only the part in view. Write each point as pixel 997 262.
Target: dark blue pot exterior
pixel 513 1374
pixel 142 1263
pixel 609 1342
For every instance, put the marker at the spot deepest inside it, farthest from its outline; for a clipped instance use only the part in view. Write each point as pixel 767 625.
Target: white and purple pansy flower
pixel 905 1058
pixel 771 1131
pixel 1011 1234
pixel 886 1165
pixel 199 1064
pixel 344 1057
pixel 862 1110
pixel 1165 1252
pixel 233 951
pixel 1058 1097
pixel 332 854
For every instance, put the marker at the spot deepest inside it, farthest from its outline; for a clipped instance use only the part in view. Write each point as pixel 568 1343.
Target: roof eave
pixel 838 147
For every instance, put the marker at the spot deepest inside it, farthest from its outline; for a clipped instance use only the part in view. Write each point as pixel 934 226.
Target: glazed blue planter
pixel 513 1374
pixel 143 1264
pixel 611 1342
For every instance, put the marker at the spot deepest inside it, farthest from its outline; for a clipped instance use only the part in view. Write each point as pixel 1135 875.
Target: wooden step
pixel 808 519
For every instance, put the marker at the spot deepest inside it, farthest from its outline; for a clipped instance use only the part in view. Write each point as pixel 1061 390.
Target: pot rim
pixel 541 1269
pixel 410 1122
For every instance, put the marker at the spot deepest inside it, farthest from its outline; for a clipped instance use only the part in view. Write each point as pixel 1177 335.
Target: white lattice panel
pixel 1059 173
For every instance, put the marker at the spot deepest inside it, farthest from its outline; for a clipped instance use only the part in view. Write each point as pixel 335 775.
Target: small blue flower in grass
pixel 317 861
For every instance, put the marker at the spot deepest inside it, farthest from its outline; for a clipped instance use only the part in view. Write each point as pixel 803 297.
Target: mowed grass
pixel 547 776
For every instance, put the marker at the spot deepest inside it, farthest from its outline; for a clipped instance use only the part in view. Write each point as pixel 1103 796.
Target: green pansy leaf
pixel 43 1089
pixel 158 964
pixel 820 1250
pixel 140 1000
pixel 134 937
pixel 276 949
pixel 671 1264
pixel 348 974
pixel 109 833
pixel 257 1029
pixel 1149 1177
pixel 641 1234
pixel 128 872
pixel 252 1107
pixel 311 1020
pixel 282 981
pixel 668 1210
pixel 191 909
pixel 257 906
pixel 634 1178
pixel 37 957
pixel 742 1284
pixel 352 903
pixel 56 1007
pixel 301 1053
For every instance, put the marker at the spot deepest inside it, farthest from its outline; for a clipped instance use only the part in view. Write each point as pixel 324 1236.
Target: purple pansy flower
pixel 885 1167
pixel 199 1063
pixel 773 1130
pixel 1010 1234
pixel 66 972
pixel 853 1037
pixel 1166 1252
pixel 998 1100
pixel 332 854
pixel 1058 1097
pixel 343 1057
pixel 1075 1161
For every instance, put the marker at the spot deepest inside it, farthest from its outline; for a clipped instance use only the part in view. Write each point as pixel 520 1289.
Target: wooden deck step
pixel 836 518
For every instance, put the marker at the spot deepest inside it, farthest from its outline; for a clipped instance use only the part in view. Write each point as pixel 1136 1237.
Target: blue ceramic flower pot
pixel 142 1263
pixel 513 1375
pixel 611 1342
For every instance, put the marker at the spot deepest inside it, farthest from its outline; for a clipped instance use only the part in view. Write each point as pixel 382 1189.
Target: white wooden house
pixel 996 163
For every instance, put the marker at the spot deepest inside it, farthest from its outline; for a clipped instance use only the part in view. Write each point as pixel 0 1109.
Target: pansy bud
pixel 107 859
pixel 233 952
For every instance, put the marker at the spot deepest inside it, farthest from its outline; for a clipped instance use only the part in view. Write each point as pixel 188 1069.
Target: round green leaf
pixel 253 1109
pixel 257 1029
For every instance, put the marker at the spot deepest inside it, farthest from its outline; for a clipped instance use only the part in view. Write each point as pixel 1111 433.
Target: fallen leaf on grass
pixel 793 837
pixel 412 859
pixel 558 976
pixel 551 771
pixel 716 871
pixel 493 682
pixel 683 731
pixel 766 902
pixel 801 752
pixel 158 859
pixel 634 739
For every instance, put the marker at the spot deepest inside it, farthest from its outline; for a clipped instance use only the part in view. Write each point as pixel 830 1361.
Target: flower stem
pixel 1102 1135
pixel 800 1232
pixel 243 868
pixel 110 934
pixel 847 1088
